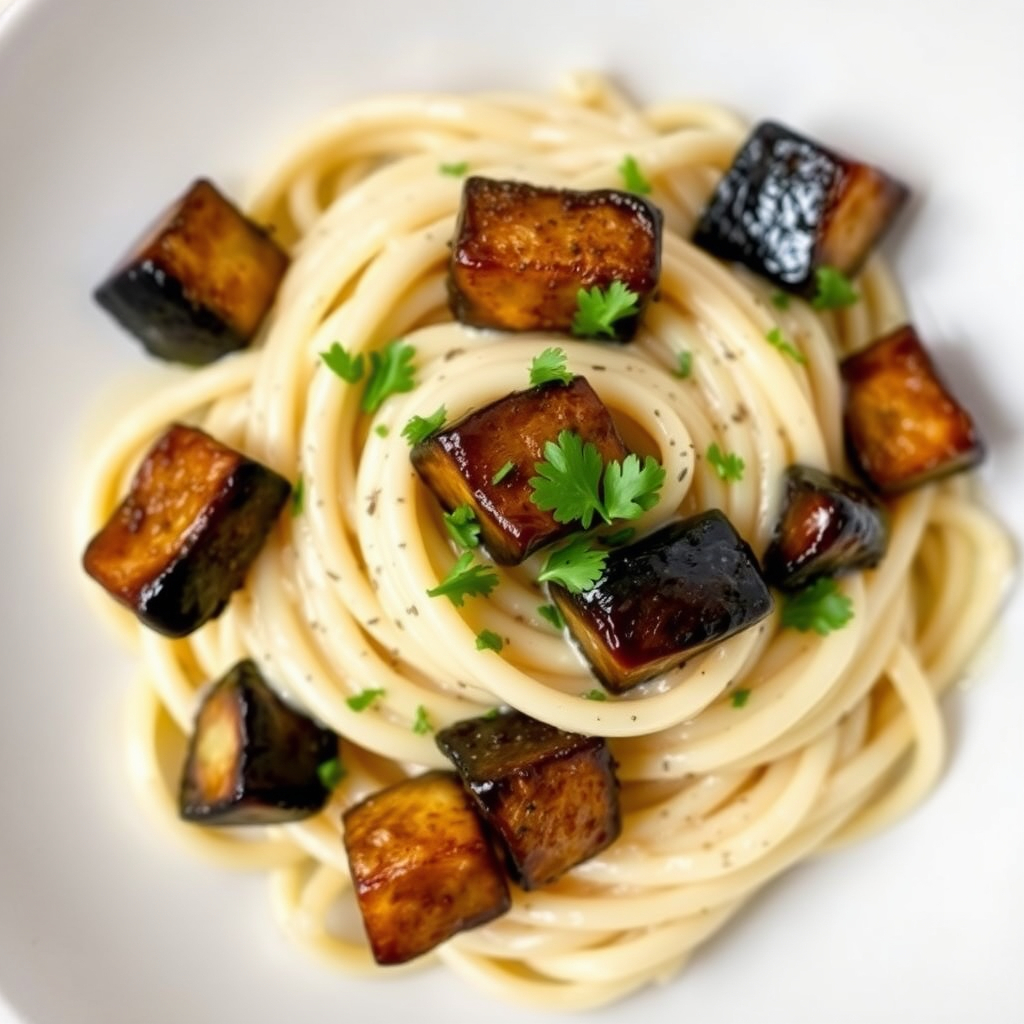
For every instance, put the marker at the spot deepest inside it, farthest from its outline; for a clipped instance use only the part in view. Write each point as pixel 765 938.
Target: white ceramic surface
pixel 106 108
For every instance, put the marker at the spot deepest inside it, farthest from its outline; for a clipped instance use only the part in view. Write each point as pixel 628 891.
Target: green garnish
pixel 619 537
pixel 419 428
pixel 834 289
pixel 631 487
pixel 347 367
pixel 549 365
pixel 577 566
pixel 491 714
pixel 488 641
pixel 780 300
pixel 775 338
pixel 551 614
pixel 465 579
pixel 382 430
pixel 390 373
pixel 597 311
pixel 726 465
pixel 503 472
pixel 633 177
pixel 594 695
pixel 684 367
pixel 362 700
pixel 298 496
pixel 740 697
pixel 421 723
pixel 819 607
pixel 462 526
pixel 330 773
pixel 456 170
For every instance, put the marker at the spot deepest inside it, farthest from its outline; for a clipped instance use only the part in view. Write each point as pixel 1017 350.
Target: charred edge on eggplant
pixel 183 538
pixel 551 796
pixel 422 865
pixel 198 283
pixel 521 253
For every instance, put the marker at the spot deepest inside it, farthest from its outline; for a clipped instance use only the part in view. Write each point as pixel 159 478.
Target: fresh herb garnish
pixel 631 487
pixel 684 366
pixel 421 723
pixel 490 714
pixel 298 496
pixel 549 365
pixel 330 773
pixel 390 373
pixel 834 289
pixel 598 311
pixel 820 607
pixel 552 615
pixel 488 641
pixel 619 537
pixel 780 300
pixel 347 367
pixel 465 579
pixel 462 526
pixel 455 170
pixel 502 473
pixel 594 695
pixel 633 177
pixel 577 566
pixel 726 465
pixel 382 430
pixel 419 428
pixel 775 338
pixel 362 700
pixel 739 698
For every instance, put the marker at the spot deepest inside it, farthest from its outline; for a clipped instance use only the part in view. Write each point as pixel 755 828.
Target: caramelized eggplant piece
pixel 903 428
pixel 677 591
pixel 197 285
pixel 184 537
pixel 422 865
pixel 789 205
pixel 461 462
pixel 551 796
pixel 252 759
pixel 826 527
pixel 521 253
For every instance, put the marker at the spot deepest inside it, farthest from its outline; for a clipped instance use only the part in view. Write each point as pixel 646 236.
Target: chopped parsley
pixel 421 723
pixel 419 428
pixel 820 607
pixel 486 640
pixel 619 537
pixel 390 373
pixel 490 714
pixel 834 289
pixel 598 311
pixel 331 773
pixel 633 177
pixel 551 614
pixel 455 170
pixel 298 496
pixel 577 566
pixel 594 694
pixel 503 472
pixel 462 526
pixel 775 338
pixel 739 698
pixel 382 430
pixel 362 700
pixel 684 365
pixel 549 365
pixel 727 466
pixel 780 300
pixel 347 367
pixel 465 579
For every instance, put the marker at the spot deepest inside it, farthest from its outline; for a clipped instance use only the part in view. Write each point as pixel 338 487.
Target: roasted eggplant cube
pixel 183 539
pixel 252 759
pixel 422 865
pixel 679 590
pixel 460 463
pixel 903 428
pixel 551 796
pixel 788 206
pixel 522 253
pixel 826 527
pixel 198 283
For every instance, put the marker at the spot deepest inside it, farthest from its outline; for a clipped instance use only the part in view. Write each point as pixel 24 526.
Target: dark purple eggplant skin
pixel 826 527
pixel 684 587
pixel 778 208
pixel 275 776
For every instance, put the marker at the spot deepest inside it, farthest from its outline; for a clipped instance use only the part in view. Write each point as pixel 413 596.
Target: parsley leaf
pixel 834 289
pixel 685 365
pixel 390 373
pixel 298 496
pixel 381 430
pixel 577 566
pixel 331 773
pixel 597 311
pixel 567 481
pixel 594 694
pixel 780 300
pixel 362 700
pixel 503 472
pixel 456 170
pixel 465 579
pixel 633 177
pixel 549 365
pixel 774 337
pixel 739 698
pixel 462 526
pixel 488 641
pixel 551 614
pixel 490 714
pixel 630 488
pixel 347 367
pixel 819 607
pixel 419 428
pixel 421 723
pixel 726 465
pixel 619 537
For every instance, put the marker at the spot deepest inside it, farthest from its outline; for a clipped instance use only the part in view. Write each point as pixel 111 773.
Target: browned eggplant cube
pixel 551 796
pixel 788 206
pixel 677 591
pixel 198 283
pixel 826 527
pixel 252 759
pixel 422 865
pixel 522 253
pixel 503 442
pixel 183 539
pixel 903 428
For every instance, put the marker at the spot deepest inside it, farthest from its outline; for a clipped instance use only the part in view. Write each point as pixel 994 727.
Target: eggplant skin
pixel 688 585
pixel 522 253
pixel 826 527
pixel 252 759
pixel 183 538
pixel 552 797
pixel 459 462
pixel 423 867
pixel 903 427
pixel 198 284
pixel 788 206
